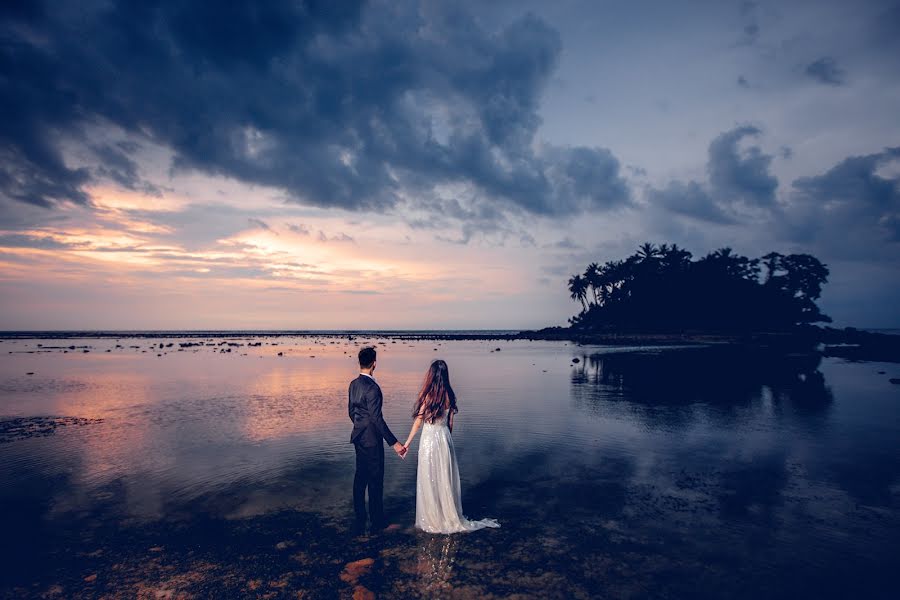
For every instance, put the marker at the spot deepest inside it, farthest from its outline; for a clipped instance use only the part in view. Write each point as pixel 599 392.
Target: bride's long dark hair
pixel 435 393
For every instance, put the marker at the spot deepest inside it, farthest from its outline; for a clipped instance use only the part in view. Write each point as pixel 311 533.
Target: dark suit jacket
pixel 364 407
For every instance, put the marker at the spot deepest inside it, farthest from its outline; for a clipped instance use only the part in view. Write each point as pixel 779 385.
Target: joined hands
pixel 400 449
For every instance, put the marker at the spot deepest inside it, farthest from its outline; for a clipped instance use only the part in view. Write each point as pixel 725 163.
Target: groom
pixel 369 429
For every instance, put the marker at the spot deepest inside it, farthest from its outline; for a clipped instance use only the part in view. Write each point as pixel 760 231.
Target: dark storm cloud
pixel 852 209
pixel 739 178
pixel 115 164
pixel 338 104
pixel 690 199
pixel 826 70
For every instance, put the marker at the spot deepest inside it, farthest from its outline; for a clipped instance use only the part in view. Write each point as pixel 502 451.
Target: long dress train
pixel 438 504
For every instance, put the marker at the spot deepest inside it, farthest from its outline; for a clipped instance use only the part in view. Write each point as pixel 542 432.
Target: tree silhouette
pixel 578 289
pixel 663 288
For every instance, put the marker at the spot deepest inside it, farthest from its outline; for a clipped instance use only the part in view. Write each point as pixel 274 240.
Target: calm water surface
pixel 644 472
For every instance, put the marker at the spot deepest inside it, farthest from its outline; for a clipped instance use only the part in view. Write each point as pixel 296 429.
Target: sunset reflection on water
pixel 614 458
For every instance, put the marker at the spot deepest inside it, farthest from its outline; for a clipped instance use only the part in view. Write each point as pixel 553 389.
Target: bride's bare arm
pixel 412 432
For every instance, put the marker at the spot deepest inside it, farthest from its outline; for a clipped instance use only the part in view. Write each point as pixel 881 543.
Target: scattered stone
pixel 576 360
pixel 356 569
pixel 30 373
pixel 496 349
pixel 362 593
pixel 91 578
pixel 894 380
pixel 881 372
pixel 21 428
pixel 281 354
pixel 156 549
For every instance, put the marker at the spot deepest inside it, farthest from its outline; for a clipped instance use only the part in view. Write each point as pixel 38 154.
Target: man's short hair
pixel 366 357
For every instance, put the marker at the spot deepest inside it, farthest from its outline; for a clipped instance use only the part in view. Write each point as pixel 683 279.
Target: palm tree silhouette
pixel 578 290
pixel 592 280
pixel 662 287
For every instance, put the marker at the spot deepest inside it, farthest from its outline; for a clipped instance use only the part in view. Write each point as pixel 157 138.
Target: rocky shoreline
pixel 849 342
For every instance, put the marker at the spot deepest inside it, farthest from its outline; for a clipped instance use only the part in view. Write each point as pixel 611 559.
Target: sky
pixel 428 165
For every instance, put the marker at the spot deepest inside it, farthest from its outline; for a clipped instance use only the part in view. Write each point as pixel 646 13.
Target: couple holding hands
pixel 438 504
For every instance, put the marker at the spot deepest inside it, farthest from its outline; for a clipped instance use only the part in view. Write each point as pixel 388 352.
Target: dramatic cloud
pixel 825 70
pixel 740 177
pixel 853 209
pixel 739 180
pixel 459 159
pixel 335 103
pixel 690 199
pixel 118 166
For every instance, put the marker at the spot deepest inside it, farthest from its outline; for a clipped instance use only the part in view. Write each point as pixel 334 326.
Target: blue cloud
pixel 741 177
pixel 336 103
pixel 826 70
pixel 852 209
pixel 737 178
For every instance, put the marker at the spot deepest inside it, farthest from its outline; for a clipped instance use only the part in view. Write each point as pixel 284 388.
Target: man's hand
pixel 400 449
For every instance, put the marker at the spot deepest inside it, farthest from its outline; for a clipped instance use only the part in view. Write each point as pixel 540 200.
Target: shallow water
pixel 637 472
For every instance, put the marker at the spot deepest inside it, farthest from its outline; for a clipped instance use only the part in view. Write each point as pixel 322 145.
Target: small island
pixel 661 294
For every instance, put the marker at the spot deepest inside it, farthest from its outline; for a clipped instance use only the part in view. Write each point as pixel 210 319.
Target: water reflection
pixel 647 463
pixel 726 378
pixel 436 559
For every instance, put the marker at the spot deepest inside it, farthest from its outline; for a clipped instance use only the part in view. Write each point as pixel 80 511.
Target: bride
pixel 438 504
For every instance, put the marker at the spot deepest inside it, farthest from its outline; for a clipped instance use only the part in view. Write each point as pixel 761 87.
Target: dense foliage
pixel 663 289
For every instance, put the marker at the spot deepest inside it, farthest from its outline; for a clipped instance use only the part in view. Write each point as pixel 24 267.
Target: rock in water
pixel 356 569
pixel 363 593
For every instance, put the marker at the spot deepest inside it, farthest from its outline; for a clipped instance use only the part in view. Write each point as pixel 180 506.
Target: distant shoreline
pixel 848 343
pixel 460 334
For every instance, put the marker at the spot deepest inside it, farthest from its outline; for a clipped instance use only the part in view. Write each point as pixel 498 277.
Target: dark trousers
pixel 369 474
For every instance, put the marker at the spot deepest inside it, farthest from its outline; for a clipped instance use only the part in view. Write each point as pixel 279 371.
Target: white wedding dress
pixel 438 504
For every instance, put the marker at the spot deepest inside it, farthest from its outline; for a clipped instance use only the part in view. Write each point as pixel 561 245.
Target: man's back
pixel 364 408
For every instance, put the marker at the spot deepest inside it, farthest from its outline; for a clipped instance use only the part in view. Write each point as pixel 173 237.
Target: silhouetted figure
pixel 369 429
